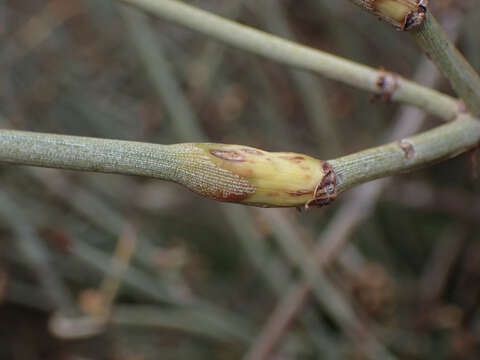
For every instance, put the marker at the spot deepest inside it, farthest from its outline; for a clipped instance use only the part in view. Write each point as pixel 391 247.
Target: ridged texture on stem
pixel 238 173
pixel 431 146
pixel 451 63
pixel 232 173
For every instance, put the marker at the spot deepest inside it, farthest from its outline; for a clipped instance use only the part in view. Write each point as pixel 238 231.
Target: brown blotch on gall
pixel 407 148
pixel 229 155
pixel 295 159
pixel 299 192
pixel 220 195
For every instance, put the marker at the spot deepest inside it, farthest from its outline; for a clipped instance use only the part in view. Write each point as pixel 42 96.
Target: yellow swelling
pixel 256 177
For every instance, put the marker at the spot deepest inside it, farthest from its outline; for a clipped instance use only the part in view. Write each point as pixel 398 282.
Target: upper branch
pixel 438 47
pixel 414 15
pixel 293 54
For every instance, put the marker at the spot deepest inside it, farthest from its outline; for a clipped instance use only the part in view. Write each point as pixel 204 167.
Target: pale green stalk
pixel 440 143
pixel 415 15
pixel 237 173
pixel 303 57
pixel 438 47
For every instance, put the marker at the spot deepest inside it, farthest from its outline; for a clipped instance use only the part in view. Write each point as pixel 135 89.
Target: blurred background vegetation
pixel 180 277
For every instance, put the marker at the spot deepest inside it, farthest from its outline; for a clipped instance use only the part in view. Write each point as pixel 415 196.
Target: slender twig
pixel 300 56
pixel 237 173
pixel 438 47
pixel 416 16
pixel 408 153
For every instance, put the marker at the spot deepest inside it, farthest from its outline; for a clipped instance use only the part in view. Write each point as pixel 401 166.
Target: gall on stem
pixel 256 177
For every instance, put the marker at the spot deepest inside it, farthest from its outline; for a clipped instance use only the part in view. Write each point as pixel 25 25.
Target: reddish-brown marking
pixel 325 192
pixel 229 155
pixel 407 148
pixel 299 192
pixel 227 197
pixel 329 178
pixel 252 151
pixel 295 159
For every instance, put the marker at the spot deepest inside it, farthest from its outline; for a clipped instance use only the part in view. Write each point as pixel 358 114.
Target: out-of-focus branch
pixel 416 16
pixel 303 57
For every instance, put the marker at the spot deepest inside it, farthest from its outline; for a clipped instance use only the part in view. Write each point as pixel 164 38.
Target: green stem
pixel 440 143
pixel 238 173
pixel 415 16
pixel 463 78
pixel 303 57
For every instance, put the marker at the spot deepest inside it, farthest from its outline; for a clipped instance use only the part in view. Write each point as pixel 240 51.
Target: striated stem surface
pixel 438 144
pixel 238 173
pixel 231 173
pixel 451 63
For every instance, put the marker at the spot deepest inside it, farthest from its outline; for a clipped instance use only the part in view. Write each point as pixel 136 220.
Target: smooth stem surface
pixel 437 46
pixel 293 54
pixel 238 173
